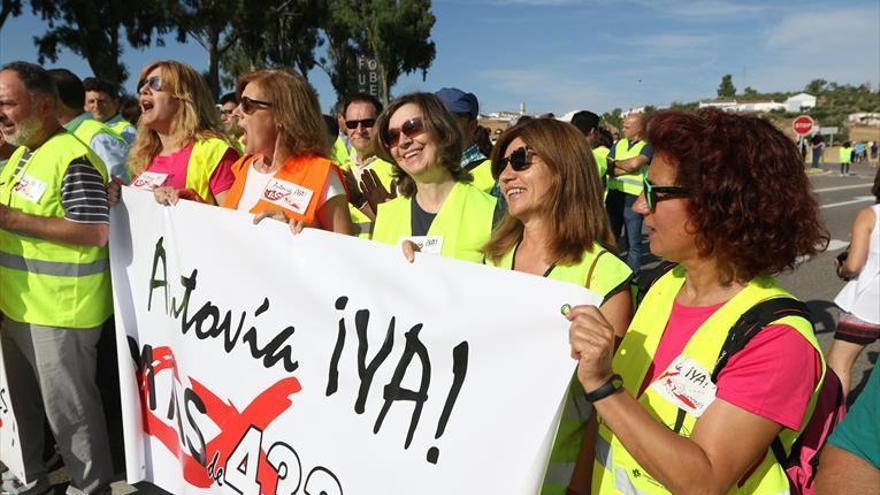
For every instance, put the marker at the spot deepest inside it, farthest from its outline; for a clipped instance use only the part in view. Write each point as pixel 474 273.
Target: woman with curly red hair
pixel 726 198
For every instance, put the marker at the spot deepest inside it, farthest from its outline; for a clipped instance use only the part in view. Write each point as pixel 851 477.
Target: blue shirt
pixel 109 148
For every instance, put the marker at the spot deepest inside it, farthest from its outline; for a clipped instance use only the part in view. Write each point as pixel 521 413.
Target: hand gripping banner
pixel 256 362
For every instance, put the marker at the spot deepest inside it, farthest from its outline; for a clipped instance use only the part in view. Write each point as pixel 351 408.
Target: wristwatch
pixel 613 384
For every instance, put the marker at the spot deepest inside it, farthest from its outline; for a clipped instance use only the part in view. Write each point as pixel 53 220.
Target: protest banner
pixel 254 361
pixel 10 444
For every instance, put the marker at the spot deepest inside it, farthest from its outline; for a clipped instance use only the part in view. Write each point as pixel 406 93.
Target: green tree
pixel 613 118
pixel 208 22
pixel 751 92
pixel 815 86
pixel 9 8
pixel 726 89
pixel 397 33
pixel 344 42
pixel 91 29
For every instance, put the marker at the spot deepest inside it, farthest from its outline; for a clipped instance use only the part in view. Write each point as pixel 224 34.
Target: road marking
pixel 859 199
pixel 841 188
pixel 835 244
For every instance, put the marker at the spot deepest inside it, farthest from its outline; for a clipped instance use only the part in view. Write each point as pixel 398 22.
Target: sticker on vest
pixel 30 188
pixel 149 180
pixel 288 195
pixel 687 385
pixel 431 244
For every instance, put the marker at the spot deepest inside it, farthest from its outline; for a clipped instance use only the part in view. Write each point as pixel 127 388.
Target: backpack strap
pixel 647 279
pixel 593 267
pixel 753 321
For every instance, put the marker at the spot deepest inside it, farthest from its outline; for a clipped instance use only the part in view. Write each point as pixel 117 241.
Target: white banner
pixel 10 444
pixel 253 361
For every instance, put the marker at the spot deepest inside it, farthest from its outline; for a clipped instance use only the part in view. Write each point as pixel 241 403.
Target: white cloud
pixel 840 44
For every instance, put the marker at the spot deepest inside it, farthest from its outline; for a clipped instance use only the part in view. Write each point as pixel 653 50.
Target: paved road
pixel 814 281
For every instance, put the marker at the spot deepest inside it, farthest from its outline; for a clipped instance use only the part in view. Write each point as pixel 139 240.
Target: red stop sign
pixel 802 125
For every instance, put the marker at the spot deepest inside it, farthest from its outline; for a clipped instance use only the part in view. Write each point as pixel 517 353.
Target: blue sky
pixel 560 55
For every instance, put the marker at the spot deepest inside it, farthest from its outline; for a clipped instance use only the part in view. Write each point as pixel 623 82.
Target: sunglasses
pixel 250 105
pixel 154 83
pixel 655 194
pixel 411 128
pixel 519 160
pixel 366 123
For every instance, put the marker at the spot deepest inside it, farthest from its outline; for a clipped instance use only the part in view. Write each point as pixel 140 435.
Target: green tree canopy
pixel 9 8
pixel 726 89
pixel 91 29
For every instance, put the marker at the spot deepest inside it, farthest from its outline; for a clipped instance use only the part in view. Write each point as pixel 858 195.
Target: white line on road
pixel 841 188
pixel 859 199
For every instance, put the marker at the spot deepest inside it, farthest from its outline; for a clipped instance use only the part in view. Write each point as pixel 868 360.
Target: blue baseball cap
pixel 457 101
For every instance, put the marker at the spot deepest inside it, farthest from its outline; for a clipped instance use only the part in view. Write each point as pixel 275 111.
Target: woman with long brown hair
pixel 556 227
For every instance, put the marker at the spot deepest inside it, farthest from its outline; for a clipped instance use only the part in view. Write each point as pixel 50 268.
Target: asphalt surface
pixel 814 281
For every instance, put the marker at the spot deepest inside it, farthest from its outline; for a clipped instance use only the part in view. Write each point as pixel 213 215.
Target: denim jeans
pixel 621 215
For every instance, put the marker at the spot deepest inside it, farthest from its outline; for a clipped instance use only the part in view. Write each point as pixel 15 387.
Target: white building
pixel 728 105
pixel 759 106
pixel 865 118
pixel 800 102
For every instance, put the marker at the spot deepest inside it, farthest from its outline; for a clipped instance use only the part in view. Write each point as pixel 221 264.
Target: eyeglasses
pixel 250 105
pixel 519 160
pixel 655 194
pixel 154 83
pixel 411 128
pixel 366 123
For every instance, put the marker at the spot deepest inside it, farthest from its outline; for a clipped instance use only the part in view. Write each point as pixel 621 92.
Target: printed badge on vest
pixel 431 244
pixel 149 180
pixel 288 195
pixel 687 385
pixel 30 188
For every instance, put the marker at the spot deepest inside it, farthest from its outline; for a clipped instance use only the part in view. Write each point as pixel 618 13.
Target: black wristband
pixel 613 384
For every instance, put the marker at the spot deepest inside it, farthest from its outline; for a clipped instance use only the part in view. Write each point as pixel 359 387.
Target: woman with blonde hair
pixel 178 151
pixel 556 227
pixel 438 209
pixel 285 173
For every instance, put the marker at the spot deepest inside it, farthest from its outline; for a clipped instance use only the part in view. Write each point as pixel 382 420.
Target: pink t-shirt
pixel 773 376
pixel 175 165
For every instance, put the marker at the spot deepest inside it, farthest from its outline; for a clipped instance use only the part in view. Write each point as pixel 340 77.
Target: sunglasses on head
pixel 154 83
pixel 250 105
pixel 519 160
pixel 366 123
pixel 411 128
pixel 654 194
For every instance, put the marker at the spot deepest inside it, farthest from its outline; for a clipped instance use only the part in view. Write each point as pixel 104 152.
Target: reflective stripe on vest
pixel 629 183
pixel 612 273
pixel 623 474
pixel 464 222
pixel 44 282
pixel 57 268
pixel 205 157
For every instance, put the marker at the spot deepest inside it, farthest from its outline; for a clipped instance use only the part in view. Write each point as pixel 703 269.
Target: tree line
pixel 243 35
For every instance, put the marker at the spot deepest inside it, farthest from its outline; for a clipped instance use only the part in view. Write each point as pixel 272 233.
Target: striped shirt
pixel 83 196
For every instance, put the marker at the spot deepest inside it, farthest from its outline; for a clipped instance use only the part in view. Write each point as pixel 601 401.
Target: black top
pixel 421 219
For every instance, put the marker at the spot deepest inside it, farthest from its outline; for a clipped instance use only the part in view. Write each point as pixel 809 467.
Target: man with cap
pixel 466 108
pixel 588 123
pixel 110 147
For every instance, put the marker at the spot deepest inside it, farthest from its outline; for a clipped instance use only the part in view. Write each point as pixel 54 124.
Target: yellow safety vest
pixel 845 155
pixel 629 183
pixel 615 470
pixel 464 222
pixel 600 153
pixel 119 127
pixel 44 282
pixel 606 272
pixel 483 179
pixel 205 157
pixel 339 154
